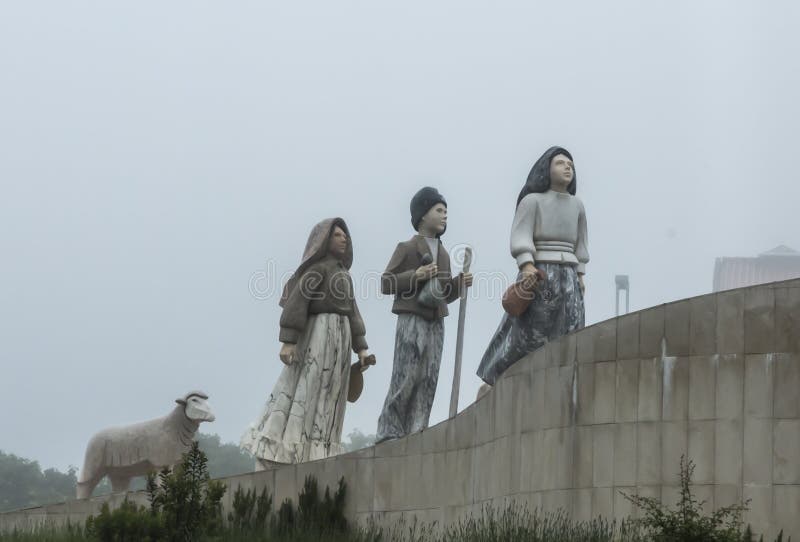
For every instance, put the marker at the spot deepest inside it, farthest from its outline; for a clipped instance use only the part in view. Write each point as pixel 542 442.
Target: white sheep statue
pixel 122 453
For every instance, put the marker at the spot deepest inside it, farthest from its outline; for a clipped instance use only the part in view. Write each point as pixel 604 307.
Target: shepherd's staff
pixel 462 314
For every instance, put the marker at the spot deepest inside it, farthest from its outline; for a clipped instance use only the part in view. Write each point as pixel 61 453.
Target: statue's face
pixel 338 242
pixel 197 409
pixel 435 220
pixel 561 172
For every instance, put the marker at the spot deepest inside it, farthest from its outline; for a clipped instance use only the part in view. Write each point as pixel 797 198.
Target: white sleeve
pixel 522 247
pixel 582 246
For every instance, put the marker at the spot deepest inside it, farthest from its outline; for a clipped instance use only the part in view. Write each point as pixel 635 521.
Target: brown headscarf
pixel 317 249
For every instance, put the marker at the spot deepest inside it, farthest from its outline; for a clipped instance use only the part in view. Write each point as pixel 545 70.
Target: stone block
pixel 432 483
pixel 702 386
pixel 603 502
pixel 461 430
pixel 483 471
pixel 585 345
pixel 434 439
pixel 411 473
pixel 758 450
pixel 383 491
pixel 585 394
pixel 701 450
pixel 705 496
pixel 786 454
pixel 627 390
pixel 511 456
pixel 562 351
pixel 533 417
pixel 787 319
pixel 523 366
pixel 623 508
pixel 675 386
pixel 363 495
pixel 538 360
pixel 759 373
pixel 728 461
pixel 557 446
pixel 730 322
pixel 786 503
pixel 521 402
pixel 558 393
pixel 759 320
pixel 605 386
pixel 628 336
pixel 651 332
pixel 505 410
pixel 484 417
pixel 676 328
pixel 727 495
pixel 568 407
pixel 393 448
pixel 703 325
pixel 530 462
pixel 423 517
pixel 625 454
pixel 759 510
pixel 730 387
pixel 414 444
pixel 286 486
pixel 557 499
pixel 533 500
pixel 582 506
pixel 583 456
pixel 459 476
pixel 650 398
pixel 603 455
pixel 674 444
pixel 787 385
pixel 648 453
pixel 605 340
pixel 499 468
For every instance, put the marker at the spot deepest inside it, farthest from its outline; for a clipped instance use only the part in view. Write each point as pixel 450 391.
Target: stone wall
pixel 609 409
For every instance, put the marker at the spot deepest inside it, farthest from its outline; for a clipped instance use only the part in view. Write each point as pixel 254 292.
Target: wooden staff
pixel 462 314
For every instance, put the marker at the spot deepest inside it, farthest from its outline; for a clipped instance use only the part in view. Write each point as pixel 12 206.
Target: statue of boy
pixel 320 324
pixel 548 239
pixel 419 277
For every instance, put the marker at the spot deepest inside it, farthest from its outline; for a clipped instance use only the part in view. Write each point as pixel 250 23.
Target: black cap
pixel 422 202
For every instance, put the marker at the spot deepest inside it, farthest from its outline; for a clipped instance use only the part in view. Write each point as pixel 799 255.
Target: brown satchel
pixel 356 385
pixel 519 295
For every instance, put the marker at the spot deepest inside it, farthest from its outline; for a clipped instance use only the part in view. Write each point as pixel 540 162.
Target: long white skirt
pixel 303 418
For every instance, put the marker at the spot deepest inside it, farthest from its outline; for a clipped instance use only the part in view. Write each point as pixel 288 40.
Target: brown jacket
pixel 399 279
pixel 324 287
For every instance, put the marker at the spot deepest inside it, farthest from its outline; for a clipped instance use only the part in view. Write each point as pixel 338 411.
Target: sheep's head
pixel 195 406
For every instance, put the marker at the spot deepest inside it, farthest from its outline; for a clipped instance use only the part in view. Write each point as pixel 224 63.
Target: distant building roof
pixel 780 263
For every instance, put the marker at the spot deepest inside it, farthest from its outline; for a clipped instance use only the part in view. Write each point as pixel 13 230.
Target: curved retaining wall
pixel 606 410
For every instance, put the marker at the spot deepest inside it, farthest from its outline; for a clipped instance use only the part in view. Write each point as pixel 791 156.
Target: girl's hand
pixel 288 353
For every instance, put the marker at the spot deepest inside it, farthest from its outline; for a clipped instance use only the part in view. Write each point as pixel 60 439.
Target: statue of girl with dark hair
pixel 549 240
pixel 320 323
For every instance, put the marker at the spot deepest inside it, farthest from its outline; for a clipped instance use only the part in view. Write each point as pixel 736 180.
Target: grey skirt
pixel 556 310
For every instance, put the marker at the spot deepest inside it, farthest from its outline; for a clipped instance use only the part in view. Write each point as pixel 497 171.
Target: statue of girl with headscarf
pixel 320 324
pixel 549 244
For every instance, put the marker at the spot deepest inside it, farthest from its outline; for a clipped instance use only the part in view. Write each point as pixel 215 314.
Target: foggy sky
pixel 156 156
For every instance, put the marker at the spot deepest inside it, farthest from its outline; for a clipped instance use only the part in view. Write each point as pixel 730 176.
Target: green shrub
pixel 250 510
pixel 687 522
pixel 128 523
pixel 186 499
